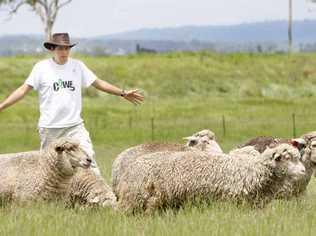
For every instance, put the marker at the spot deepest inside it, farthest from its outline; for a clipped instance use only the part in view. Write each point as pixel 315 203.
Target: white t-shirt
pixel 59 89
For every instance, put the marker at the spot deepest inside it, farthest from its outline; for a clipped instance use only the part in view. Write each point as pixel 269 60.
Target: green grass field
pixel 238 96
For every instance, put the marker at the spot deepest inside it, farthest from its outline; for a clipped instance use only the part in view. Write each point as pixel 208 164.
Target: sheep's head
pixel 309 151
pixel 70 154
pixel 204 140
pixel 286 161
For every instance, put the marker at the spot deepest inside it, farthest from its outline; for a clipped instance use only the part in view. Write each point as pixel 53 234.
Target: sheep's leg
pixel 5 198
pixel 152 204
pixel 153 200
pixel 91 189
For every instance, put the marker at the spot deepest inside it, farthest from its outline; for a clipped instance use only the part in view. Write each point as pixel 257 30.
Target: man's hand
pixel 133 96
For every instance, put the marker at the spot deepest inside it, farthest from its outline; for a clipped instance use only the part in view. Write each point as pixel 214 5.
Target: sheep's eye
pixel 287 157
pixel 277 157
pixel 58 149
pixel 192 142
pixel 300 146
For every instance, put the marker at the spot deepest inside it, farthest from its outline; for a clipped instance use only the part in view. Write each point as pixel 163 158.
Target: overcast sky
pixel 87 18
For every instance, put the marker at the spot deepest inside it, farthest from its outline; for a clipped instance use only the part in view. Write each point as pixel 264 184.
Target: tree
pixel 47 10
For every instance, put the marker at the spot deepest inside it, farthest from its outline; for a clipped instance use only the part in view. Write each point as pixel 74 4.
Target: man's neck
pixel 59 62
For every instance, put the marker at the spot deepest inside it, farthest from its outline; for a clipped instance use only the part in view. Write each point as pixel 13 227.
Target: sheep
pixel 308 153
pixel 44 175
pixel 86 188
pixel 171 178
pixel 307 146
pixel 203 140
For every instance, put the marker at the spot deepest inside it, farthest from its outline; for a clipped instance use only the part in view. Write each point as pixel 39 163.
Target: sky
pixel 87 18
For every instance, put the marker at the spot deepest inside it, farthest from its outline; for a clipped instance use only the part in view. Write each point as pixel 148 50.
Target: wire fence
pixel 162 128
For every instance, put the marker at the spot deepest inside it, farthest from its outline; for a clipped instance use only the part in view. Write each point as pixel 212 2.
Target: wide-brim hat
pixel 59 39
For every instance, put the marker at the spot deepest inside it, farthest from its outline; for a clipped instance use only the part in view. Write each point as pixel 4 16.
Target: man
pixel 58 81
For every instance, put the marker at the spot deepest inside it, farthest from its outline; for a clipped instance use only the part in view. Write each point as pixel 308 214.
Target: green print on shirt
pixel 63 84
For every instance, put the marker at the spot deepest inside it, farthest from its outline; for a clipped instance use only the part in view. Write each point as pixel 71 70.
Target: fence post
pixel 294 125
pixel 152 128
pixel 130 121
pixel 224 125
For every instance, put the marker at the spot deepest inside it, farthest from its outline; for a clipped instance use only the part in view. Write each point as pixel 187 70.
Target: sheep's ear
pixel 191 138
pixel 299 143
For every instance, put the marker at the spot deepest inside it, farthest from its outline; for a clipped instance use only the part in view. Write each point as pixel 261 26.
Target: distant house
pixel 119 52
pixel 140 49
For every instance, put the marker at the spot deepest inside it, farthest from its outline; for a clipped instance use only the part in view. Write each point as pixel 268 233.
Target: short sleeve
pixel 33 78
pixel 88 77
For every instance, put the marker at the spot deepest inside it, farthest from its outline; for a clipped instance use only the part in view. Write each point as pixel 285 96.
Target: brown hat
pixel 58 39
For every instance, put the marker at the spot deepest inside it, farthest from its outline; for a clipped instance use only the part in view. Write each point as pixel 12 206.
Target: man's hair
pixel 52 47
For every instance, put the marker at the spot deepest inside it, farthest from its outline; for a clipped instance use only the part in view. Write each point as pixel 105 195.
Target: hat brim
pixel 50 45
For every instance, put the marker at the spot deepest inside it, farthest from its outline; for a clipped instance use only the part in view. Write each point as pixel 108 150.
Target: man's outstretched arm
pixel 131 95
pixel 15 96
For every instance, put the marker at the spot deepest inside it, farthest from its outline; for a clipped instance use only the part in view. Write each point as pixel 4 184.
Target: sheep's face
pixel 286 161
pixel 310 151
pixel 205 141
pixel 205 144
pixel 313 150
pixel 71 155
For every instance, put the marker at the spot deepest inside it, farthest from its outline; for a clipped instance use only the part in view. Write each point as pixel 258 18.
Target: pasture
pixel 238 96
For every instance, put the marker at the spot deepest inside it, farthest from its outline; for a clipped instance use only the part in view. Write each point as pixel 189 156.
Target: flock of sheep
pixel 150 177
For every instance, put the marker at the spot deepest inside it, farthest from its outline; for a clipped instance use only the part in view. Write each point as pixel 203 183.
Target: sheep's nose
pixel 302 170
pixel 89 160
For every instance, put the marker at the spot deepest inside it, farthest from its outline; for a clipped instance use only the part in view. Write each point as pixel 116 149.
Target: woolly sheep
pixel 203 140
pixel 168 179
pixel 44 175
pixel 86 188
pixel 308 142
pixel 307 146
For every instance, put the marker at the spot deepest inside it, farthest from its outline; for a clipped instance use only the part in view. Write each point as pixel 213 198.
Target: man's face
pixel 61 54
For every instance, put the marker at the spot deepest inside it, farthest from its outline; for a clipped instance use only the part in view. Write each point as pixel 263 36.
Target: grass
pixel 185 92
pixel 278 218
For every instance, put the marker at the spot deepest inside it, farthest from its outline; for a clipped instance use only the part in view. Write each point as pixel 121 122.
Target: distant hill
pixel 255 37
pixel 276 31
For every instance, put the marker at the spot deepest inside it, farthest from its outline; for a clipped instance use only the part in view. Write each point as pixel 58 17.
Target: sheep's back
pixel 125 158
pixel 13 167
pixel 18 161
pixel 261 143
pixel 174 177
